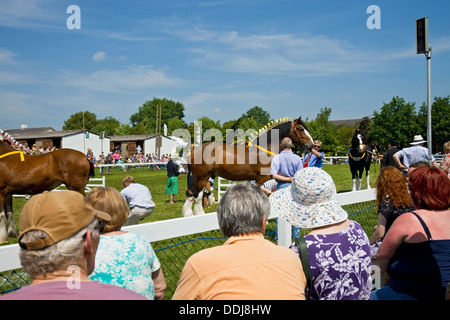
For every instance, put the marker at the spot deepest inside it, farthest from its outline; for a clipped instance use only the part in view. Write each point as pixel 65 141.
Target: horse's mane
pixel 4 139
pixel 282 124
pixel 9 141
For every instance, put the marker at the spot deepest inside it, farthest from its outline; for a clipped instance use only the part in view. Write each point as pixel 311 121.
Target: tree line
pixel 395 120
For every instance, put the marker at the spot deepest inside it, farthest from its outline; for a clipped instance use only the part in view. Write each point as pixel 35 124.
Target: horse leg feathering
pixel 187 207
pixel 11 227
pixel 3 233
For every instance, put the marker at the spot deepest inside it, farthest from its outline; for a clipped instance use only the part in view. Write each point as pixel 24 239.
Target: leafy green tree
pixel 246 126
pixel 123 129
pixel 324 130
pixel 259 116
pixel 146 114
pixel 397 120
pixel 175 124
pixel 206 124
pixel 440 122
pixel 75 121
pixel 139 128
pixel 107 125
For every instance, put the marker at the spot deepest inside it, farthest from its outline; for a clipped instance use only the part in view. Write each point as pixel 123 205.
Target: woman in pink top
pixel 116 156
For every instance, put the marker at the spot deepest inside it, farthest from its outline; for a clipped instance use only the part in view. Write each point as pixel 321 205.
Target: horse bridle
pixel 295 130
pixel 361 144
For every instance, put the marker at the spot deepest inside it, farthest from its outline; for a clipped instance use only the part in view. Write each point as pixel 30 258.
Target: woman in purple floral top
pixel 338 248
pixel 340 264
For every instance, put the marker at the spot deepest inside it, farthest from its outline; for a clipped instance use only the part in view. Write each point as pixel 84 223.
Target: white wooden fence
pixel 172 228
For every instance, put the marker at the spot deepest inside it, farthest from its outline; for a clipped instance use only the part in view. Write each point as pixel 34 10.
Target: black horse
pixel 360 156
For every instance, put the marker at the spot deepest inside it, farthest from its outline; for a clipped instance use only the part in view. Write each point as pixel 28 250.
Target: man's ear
pixel 88 248
pixel 264 225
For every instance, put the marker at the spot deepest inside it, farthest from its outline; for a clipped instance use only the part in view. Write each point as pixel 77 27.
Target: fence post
pixel 284 230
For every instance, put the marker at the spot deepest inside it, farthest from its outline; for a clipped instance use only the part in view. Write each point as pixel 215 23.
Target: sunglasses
pixel 101 226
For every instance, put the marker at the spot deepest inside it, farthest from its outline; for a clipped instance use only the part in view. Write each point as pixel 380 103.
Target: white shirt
pixel 138 195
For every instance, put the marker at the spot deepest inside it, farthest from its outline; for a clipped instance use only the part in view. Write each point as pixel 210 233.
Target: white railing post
pixel 284 230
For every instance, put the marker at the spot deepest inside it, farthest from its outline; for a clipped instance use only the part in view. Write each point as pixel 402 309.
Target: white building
pixel 80 140
pixel 128 144
pixel 84 141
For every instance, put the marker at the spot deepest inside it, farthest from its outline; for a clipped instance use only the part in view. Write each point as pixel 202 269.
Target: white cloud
pixel 284 54
pixel 99 56
pixel 7 77
pixel 130 79
pixel 30 14
pixel 6 56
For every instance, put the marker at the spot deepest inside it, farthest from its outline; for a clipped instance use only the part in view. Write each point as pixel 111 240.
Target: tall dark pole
pixel 424 47
pixel 158 131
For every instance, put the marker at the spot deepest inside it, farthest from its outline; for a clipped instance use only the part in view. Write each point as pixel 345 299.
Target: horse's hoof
pixel 12 234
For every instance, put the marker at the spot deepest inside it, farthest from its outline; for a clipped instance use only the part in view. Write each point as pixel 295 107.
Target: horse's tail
pixel 91 169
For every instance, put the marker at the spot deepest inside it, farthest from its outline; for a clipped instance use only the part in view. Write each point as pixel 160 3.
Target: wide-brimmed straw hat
pixel 310 201
pixel 417 140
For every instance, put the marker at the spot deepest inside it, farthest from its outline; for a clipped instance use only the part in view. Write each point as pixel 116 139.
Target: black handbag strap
pixel 303 252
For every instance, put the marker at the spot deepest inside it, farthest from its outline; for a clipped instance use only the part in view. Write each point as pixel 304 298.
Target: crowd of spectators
pixel 65 231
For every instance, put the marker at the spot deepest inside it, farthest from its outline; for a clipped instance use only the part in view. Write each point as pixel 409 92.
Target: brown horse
pixel 244 162
pixel 24 174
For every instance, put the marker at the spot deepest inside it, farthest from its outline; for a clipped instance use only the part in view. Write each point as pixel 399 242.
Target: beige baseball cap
pixel 59 214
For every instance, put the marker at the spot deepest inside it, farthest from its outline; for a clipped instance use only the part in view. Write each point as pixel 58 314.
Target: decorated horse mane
pixel 278 124
pixel 9 140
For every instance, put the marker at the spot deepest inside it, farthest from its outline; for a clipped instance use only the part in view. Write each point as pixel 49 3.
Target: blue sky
pixel 218 58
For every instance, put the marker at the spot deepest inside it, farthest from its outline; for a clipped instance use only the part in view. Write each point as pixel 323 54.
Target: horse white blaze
pixel 361 144
pixel 309 136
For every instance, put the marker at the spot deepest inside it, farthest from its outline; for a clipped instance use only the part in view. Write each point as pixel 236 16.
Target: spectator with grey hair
pixel 283 168
pixel 284 165
pixel 59 236
pixel 247 266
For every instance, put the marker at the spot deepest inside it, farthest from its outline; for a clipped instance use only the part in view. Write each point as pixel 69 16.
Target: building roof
pixel 40 133
pixel 135 137
pixel 131 137
pixel 50 133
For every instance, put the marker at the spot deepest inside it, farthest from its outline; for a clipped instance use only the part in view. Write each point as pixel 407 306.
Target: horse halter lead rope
pixel 262 149
pixel 22 158
pixel 357 158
